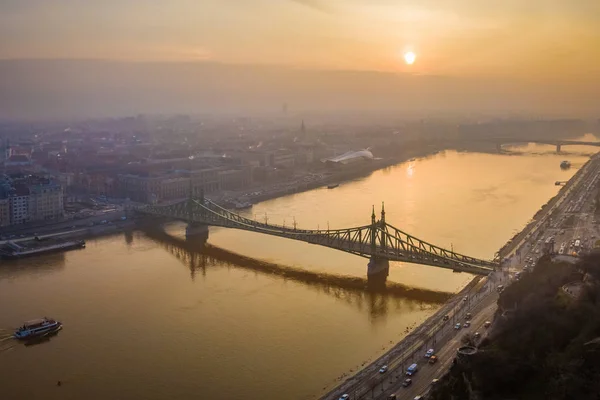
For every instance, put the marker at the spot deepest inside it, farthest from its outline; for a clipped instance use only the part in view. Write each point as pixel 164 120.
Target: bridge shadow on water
pixel 374 297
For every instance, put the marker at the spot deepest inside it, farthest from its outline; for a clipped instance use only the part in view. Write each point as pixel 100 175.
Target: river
pixel 149 317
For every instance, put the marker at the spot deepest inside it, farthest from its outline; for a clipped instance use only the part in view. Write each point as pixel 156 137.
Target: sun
pixel 409 57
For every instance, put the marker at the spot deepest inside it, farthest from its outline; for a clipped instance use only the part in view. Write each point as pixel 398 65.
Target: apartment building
pixel 45 201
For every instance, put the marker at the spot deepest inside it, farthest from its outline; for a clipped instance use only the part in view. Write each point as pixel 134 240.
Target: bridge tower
pixel 558 148
pixel 378 267
pixel 195 229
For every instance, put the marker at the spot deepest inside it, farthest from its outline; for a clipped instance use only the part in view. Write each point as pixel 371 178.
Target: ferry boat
pixel 333 186
pixel 37 327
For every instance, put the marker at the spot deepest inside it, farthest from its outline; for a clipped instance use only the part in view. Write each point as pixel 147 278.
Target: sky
pixel 532 39
pixel 122 57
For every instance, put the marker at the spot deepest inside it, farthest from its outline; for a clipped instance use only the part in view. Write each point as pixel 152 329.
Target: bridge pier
pixel 378 269
pixel 195 229
pixel 558 148
pixel 499 147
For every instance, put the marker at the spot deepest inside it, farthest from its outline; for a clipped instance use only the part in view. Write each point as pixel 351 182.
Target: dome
pixel 351 156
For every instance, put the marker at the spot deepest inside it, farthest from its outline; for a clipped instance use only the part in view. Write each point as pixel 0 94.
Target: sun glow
pixel 409 57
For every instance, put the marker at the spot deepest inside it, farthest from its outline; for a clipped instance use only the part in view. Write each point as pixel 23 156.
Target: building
pixel 139 187
pixel 4 211
pixel 235 179
pixel 282 159
pixel 45 201
pixel 29 198
pixel 170 185
pixel 19 204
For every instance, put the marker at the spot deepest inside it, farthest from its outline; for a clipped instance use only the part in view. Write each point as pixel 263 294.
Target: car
pixel 477 335
pixel 429 353
pixel 418 398
pixel 392 396
pixel 345 396
pixel 487 324
pixel 457 326
pixel 434 381
pixel 407 382
pixel 446 317
pixel 467 324
pixel 383 369
pixel 433 359
pixel 465 298
pixel 468 316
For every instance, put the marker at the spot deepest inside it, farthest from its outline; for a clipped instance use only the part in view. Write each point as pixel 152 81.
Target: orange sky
pixel 533 39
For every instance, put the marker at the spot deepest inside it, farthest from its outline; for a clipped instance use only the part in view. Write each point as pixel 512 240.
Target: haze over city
pixel 75 59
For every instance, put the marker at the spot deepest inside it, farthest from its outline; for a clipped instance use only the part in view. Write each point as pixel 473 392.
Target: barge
pixel 12 250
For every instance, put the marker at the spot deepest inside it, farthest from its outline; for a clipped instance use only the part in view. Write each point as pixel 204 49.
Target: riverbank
pixel 545 212
pixel 346 173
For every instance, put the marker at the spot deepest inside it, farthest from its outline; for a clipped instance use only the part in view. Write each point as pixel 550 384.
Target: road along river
pixel 148 318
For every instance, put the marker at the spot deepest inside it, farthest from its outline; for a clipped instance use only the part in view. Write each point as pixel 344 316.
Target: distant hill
pixel 93 88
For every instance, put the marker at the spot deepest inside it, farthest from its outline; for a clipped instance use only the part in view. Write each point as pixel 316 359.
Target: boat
pixel 37 328
pixel 333 186
pixel 565 164
pixel 243 206
pixel 13 250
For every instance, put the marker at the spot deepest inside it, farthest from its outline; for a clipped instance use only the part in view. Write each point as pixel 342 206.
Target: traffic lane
pixel 362 380
pixel 450 340
pixel 435 331
pixel 422 380
pixel 439 334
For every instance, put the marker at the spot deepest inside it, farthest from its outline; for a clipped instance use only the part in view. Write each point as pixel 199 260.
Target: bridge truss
pixel 378 240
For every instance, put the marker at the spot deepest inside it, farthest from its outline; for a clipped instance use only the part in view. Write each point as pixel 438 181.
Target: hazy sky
pixel 520 38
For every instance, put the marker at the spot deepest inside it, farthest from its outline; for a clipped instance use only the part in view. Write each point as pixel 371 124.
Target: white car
pixel 345 396
pixel 383 369
pixel 457 326
pixel 429 353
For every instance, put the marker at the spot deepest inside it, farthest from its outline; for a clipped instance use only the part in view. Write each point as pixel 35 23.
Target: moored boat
pixel 14 250
pixel 37 327
pixel 243 206
pixel 333 186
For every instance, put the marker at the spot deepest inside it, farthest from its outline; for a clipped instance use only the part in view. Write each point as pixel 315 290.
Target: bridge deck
pixel 377 240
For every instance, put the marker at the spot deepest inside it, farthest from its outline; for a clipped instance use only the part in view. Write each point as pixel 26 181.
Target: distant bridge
pixel 378 241
pixel 558 143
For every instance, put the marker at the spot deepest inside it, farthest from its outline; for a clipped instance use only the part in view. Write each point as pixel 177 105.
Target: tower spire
pixel 373 216
pixel 382 212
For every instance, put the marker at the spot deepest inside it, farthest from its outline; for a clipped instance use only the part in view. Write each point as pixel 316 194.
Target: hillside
pixel 544 344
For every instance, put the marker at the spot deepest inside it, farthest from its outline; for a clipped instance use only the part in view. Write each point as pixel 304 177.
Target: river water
pixel 148 316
